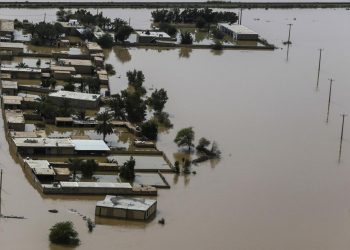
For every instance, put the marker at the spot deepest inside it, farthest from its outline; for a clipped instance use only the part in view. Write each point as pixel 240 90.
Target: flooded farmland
pixel 278 185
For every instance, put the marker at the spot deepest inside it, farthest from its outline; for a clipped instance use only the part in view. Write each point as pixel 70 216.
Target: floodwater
pixel 278 185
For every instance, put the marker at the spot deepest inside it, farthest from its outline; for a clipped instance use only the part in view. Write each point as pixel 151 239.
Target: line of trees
pixel 193 15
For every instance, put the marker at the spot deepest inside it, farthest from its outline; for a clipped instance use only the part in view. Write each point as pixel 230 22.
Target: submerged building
pixel 76 99
pixel 126 208
pixel 238 32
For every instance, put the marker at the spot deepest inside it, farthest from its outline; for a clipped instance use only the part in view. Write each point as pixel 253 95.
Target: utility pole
pixel 290 27
pixel 0 190
pixel 319 68
pixel 329 97
pixel 240 17
pixel 341 136
pixel 45 17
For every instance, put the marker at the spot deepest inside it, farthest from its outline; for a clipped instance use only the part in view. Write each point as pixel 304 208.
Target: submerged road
pixel 154 5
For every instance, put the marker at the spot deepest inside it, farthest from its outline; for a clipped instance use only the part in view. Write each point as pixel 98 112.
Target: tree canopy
pixel 158 99
pixel 105 41
pixel 149 129
pixel 64 233
pixel 185 137
pixel 104 126
pixel 46 33
pixel 127 170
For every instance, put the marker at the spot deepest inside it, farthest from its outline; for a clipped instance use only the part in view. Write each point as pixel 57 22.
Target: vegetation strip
pixel 154 5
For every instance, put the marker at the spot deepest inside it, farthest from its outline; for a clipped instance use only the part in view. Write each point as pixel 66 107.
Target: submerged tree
pixel 127 170
pixel 123 33
pixel 158 99
pixel 185 137
pixel 149 129
pixel 104 126
pixel 186 38
pixel 88 168
pixel 64 233
pixel 116 104
pixel 105 41
pixel 135 106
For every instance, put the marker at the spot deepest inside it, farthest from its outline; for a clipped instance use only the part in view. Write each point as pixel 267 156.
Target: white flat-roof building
pixel 84 146
pixel 76 99
pixel 126 208
pixel 41 146
pixel 151 36
pixel 238 32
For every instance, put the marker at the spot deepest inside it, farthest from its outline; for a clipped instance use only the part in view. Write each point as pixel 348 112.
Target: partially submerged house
pixel 9 87
pixel 23 73
pixel 238 32
pixel 81 66
pixel 40 169
pixel 152 36
pixel 126 208
pixel 15 48
pixel 44 146
pixel 15 120
pixel 76 99
pixel 7 28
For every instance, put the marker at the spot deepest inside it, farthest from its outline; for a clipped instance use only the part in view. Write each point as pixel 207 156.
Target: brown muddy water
pixel 278 185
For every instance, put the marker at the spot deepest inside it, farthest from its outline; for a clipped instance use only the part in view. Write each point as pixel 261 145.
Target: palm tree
pixel 104 125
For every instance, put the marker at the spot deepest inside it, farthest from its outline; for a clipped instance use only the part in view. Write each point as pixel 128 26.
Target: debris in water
pixel 54 211
pixel 161 221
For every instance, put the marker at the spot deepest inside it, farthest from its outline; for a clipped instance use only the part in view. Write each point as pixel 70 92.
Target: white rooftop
pixel 37 163
pixel 238 29
pixel 11 45
pixel 9 84
pixel 43 142
pixel 75 95
pixel 70 184
pixel 90 145
pixel 126 203
pixel 14 116
pixel 14 69
pixel 156 34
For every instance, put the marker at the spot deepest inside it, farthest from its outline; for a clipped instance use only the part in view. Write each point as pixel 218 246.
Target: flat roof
pixel 14 116
pixel 9 84
pixel 37 163
pixel 11 45
pixel 152 33
pixel 43 142
pixel 62 68
pixel 14 69
pixel 126 203
pixel 12 100
pixel 64 119
pixel 238 29
pixel 75 95
pixel 44 171
pixel 76 62
pixel 62 171
pixel 93 46
pixel 7 25
pixel 28 134
pixel 70 184
pixel 90 145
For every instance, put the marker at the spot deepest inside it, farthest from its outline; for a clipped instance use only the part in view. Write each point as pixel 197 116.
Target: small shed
pixel 64 121
pixel 126 208
pixel 62 174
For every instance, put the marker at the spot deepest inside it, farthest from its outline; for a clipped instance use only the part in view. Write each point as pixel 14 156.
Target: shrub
pixel 64 233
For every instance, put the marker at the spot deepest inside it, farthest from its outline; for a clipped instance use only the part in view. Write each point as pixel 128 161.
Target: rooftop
pixel 126 203
pixel 12 100
pixel 14 69
pixel 76 62
pixel 90 145
pixel 7 25
pixel 11 45
pixel 62 171
pixel 43 142
pixel 75 95
pixel 9 84
pixel 238 29
pixel 156 34
pixel 93 46
pixel 71 184
pixel 62 68
pixel 40 167
pixel 14 116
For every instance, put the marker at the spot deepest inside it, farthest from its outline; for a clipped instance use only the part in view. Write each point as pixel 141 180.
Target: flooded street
pixel 278 185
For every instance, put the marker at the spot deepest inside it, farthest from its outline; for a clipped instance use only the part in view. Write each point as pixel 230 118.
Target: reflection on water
pixel 122 54
pixel 185 52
